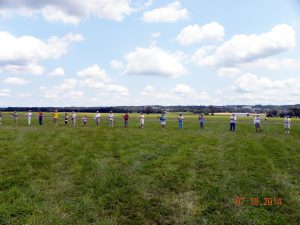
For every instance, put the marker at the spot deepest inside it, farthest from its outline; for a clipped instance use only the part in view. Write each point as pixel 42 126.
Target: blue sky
pixel 122 52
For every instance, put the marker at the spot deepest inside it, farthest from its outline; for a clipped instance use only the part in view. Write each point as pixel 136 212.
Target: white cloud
pixel 184 89
pixel 228 72
pixel 117 90
pixel 75 95
pixel 250 82
pixel 106 89
pixel 5 93
pixel 28 48
pixel 30 68
pixel 25 95
pixel 67 84
pixel 117 65
pixel 15 81
pixel 96 77
pixel 180 94
pixel 72 12
pixel 196 34
pixel 94 72
pixel 22 54
pixel 254 89
pixel 155 35
pixel 148 89
pixel 166 14
pixel 55 14
pixel 241 49
pixel 57 72
pixel 273 64
pixel 61 91
pixel 154 61
pixel 91 77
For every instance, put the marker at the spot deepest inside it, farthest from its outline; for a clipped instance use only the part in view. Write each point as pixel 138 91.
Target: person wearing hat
pixel 180 121
pixel 97 118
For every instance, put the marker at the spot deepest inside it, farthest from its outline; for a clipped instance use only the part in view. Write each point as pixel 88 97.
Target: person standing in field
pixel 66 119
pixel 232 122
pixel 201 119
pixel 126 118
pixel 0 117
pixel 180 121
pixel 287 125
pixel 110 119
pixel 84 120
pixel 15 116
pixel 97 118
pixel 73 118
pixel 40 115
pixel 29 114
pixel 142 120
pixel 163 119
pixel 55 117
pixel 256 122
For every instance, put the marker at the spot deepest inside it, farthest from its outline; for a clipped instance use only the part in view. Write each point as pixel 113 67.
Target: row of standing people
pixel 257 123
pixel 84 119
pixel 162 118
pixel 73 118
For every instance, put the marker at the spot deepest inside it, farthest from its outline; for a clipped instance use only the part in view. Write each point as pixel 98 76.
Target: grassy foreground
pixel 100 175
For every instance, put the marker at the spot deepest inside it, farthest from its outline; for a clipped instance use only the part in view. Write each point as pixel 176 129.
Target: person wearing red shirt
pixel 126 118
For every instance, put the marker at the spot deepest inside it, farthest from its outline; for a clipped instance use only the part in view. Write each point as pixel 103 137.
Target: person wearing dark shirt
pixel 40 115
pixel 126 118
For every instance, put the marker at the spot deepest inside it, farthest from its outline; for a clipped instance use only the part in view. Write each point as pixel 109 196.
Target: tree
pixel 149 110
pixel 272 113
pixel 282 114
pixel 295 111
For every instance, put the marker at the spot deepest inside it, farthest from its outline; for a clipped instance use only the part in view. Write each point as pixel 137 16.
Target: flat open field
pixel 100 175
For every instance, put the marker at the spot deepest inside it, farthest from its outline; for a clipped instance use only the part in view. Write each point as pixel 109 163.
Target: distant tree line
pixel 291 112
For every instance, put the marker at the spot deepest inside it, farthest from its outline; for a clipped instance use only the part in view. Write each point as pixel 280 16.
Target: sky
pixel 149 52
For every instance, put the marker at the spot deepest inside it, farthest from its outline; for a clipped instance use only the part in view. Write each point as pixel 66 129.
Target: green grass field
pixel 100 175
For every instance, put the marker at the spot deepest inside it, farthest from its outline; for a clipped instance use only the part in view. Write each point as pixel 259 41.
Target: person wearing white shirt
pixel 232 122
pixel 29 114
pixel 256 122
pixel 142 120
pixel 73 118
pixel 97 118
pixel 287 125
pixel 110 119
pixel 180 121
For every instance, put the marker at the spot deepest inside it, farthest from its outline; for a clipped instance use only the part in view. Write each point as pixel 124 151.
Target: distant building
pixel 257 110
